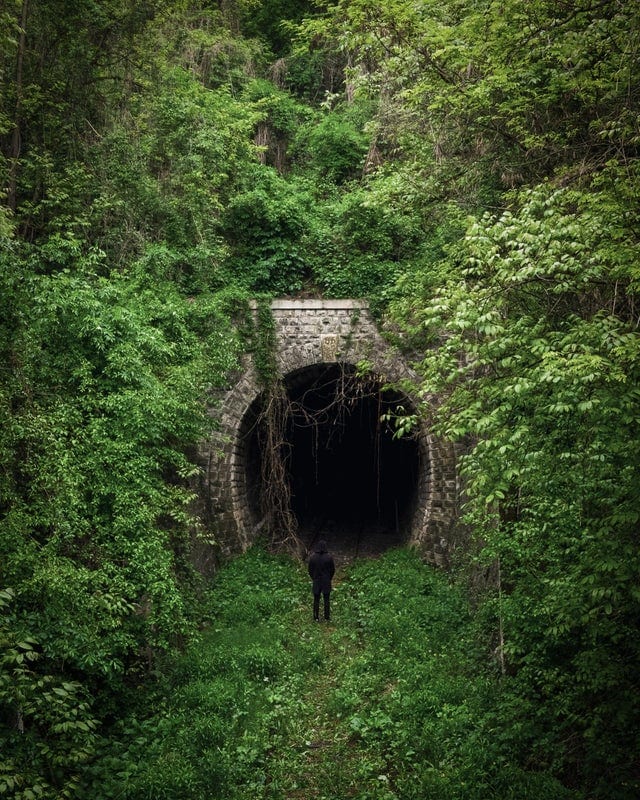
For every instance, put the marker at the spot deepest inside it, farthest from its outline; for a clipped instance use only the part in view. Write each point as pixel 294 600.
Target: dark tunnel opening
pixel 350 480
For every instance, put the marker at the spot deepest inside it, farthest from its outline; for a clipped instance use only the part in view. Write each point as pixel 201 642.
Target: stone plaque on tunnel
pixel 329 347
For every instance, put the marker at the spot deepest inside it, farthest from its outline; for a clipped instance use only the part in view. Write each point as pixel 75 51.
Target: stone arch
pixel 312 336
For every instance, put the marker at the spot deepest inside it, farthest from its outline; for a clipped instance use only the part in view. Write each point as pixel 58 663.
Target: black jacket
pixel 321 570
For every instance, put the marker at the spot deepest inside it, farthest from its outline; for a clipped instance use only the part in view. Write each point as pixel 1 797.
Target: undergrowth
pixel 391 701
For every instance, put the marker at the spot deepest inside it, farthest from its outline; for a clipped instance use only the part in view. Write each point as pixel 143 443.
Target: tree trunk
pixel 16 139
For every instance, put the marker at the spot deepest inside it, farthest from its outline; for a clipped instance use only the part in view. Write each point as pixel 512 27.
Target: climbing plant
pixel 275 487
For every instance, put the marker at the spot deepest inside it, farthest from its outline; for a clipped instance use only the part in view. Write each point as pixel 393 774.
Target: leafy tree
pixel 103 402
pixel 536 352
pixel 270 20
pixel 39 708
pixel 484 97
pixel 282 115
pixel 333 146
pixel 165 173
pixel 65 59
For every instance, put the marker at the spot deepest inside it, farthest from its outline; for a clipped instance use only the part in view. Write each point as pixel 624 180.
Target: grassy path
pixel 325 759
pixel 390 701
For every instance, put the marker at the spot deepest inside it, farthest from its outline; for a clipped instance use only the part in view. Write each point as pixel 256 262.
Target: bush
pixel 264 225
pixel 334 147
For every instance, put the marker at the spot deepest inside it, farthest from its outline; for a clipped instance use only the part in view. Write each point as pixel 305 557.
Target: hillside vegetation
pixel 471 168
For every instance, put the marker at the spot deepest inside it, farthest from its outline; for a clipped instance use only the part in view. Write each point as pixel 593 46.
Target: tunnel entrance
pixel 348 479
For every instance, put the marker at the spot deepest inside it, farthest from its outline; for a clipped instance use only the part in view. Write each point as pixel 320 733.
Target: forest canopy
pixel 472 169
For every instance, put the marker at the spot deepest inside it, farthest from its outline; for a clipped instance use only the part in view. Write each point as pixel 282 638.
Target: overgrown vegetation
pixel 394 700
pixel 472 169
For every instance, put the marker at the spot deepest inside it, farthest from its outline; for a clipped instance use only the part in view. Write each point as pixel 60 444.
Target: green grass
pixel 390 701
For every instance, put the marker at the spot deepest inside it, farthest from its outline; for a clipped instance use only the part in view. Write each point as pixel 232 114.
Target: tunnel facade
pixel 347 477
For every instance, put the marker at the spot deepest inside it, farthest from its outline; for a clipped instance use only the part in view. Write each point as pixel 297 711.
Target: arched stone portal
pixel 350 480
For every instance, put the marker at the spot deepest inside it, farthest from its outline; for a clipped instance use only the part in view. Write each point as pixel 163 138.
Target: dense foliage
pixel 394 700
pixel 471 168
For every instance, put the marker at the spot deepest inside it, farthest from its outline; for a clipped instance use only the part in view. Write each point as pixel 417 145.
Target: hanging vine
pixel 275 489
pixel 280 412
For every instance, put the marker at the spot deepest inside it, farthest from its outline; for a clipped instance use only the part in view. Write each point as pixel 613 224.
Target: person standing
pixel 321 570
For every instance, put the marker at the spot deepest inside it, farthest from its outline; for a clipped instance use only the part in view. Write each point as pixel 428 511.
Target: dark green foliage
pixel 100 408
pixel 332 146
pixel 357 249
pixel 165 175
pixel 270 21
pixel 264 225
pixel 281 117
pixel 105 395
pixel 38 708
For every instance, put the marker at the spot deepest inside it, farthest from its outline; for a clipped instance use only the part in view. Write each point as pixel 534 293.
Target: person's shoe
pixel 315 619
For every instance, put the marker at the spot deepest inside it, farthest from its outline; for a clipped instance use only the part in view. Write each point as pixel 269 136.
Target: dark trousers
pixel 316 606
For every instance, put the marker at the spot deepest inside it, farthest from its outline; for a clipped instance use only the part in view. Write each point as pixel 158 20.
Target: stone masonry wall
pixel 311 332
